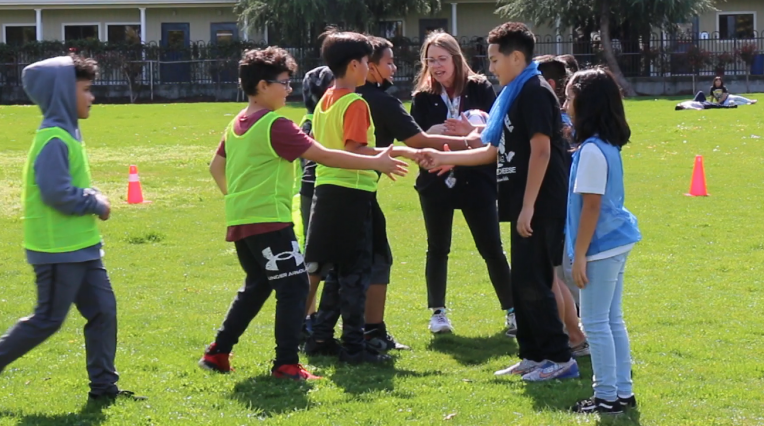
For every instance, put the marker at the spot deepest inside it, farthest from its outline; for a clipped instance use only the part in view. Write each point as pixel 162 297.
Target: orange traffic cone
pixel 698 184
pixel 134 191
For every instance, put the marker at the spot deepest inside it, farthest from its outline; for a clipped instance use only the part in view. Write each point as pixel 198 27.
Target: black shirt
pixel 391 121
pixel 428 109
pixel 535 110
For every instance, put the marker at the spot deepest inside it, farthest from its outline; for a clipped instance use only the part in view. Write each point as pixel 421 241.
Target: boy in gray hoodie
pixel 61 236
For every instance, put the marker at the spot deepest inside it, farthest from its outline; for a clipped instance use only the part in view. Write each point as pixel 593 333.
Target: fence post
pixel 151 78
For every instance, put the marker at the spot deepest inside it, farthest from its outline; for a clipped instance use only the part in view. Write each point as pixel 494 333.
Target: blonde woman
pixel 445 88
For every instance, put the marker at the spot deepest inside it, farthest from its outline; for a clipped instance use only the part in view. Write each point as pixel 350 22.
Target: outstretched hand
pixel 390 166
pixel 429 158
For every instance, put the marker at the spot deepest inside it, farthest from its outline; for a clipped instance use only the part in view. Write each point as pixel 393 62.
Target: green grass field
pixel 693 302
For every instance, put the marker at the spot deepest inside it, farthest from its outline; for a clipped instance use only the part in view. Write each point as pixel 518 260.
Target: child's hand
pixel 389 165
pixel 429 158
pixel 441 170
pixel 579 272
pixel 524 222
pixel 105 201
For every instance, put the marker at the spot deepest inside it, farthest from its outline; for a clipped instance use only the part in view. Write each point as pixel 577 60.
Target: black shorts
pixel 334 215
pixel 381 269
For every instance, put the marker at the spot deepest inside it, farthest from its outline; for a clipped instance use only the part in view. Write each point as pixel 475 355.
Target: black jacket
pixel 428 110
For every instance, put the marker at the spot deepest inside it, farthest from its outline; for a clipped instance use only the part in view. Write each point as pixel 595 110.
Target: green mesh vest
pixel 46 229
pixel 328 130
pixel 260 183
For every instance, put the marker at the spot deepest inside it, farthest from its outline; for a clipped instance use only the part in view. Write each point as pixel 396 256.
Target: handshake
pixel 427 158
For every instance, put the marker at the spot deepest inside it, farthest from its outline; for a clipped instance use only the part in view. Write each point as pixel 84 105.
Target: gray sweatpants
pixel 87 286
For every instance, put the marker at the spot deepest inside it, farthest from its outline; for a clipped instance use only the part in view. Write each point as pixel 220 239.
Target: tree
pixel 639 17
pixel 299 21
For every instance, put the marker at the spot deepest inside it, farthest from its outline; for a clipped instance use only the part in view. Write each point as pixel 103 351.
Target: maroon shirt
pixel 288 141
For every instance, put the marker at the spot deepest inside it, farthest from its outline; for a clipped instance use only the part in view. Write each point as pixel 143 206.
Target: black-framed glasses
pixel 285 83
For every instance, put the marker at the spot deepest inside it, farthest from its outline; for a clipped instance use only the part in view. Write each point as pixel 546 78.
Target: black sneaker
pixel 628 403
pixel 379 340
pixel 328 348
pixel 596 405
pixel 120 394
pixel 365 356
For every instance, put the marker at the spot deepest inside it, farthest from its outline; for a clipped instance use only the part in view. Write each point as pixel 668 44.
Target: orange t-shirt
pixel 356 123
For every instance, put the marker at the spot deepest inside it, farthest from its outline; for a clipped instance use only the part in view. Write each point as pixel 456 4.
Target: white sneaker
pixel 511 324
pixel 521 368
pixel 439 323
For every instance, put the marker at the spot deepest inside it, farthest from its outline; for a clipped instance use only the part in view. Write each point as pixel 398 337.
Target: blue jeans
pixel 737 100
pixel 602 317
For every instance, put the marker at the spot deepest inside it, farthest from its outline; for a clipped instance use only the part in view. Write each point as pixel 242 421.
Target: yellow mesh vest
pixel 328 130
pixel 260 183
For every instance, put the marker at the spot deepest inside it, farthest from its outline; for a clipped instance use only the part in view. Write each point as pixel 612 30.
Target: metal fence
pixel 205 63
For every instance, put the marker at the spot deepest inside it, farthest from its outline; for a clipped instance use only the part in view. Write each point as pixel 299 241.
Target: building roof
pixel 57 4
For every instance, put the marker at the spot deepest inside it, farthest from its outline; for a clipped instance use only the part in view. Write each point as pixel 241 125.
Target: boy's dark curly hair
pixel 264 64
pixel 84 68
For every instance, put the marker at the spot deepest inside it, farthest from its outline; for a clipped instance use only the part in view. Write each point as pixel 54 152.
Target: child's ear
pixel 552 83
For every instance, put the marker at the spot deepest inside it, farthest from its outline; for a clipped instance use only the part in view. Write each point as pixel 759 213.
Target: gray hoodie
pixel 51 84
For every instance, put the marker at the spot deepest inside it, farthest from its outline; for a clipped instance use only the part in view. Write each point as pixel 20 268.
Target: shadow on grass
pixel 271 396
pixel 473 350
pixel 560 395
pixel 365 378
pixel 91 414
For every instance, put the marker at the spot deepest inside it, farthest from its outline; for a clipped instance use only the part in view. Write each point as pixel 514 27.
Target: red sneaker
pixel 294 372
pixel 217 362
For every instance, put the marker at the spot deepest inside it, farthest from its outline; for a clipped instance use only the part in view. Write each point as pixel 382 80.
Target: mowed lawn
pixel 694 301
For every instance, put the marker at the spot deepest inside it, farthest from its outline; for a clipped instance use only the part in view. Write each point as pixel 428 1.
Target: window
pixel 123 33
pixel 81 32
pixel 223 36
pixel 224 32
pixel 736 25
pixel 18 35
pixel 390 29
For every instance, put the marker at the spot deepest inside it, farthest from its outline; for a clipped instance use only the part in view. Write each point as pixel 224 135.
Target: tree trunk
pixel 608 50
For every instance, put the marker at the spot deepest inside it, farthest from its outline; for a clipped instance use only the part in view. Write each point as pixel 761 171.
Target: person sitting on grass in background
pixel 555 73
pixel 720 95
pixel 600 234
pixel 252 167
pixel 343 236
pixel 315 83
pixel 61 235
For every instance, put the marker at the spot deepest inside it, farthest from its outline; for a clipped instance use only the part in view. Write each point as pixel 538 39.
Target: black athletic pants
pixel 272 262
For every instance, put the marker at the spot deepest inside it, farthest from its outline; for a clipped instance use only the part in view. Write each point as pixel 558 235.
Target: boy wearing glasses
pixel 253 169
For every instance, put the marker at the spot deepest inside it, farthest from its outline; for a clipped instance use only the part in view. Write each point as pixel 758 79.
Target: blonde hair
pixel 462 71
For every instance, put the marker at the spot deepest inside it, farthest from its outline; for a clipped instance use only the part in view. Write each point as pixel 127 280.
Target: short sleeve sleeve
pixel 591 175
pixel 289 142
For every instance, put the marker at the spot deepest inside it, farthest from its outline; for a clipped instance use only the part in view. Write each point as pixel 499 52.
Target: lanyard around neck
pixel 451 104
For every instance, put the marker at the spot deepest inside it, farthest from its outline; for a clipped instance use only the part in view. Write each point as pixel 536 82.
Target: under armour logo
pixel 295 254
